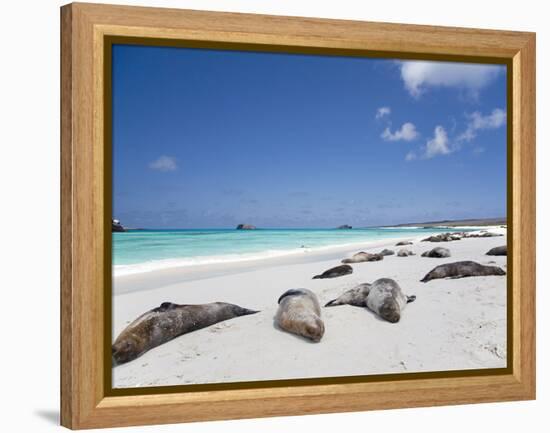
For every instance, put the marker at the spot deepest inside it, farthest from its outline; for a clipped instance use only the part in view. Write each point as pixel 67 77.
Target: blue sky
pixel 207 138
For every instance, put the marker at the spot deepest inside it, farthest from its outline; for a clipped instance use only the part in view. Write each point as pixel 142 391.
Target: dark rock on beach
pixel 437 252
pixel 246 227
pixel 337 271
pixel 462 270
pixel 386 252
pixel 498 251
pixel 363 257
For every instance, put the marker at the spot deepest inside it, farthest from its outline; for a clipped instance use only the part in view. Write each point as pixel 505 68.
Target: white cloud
pixel 410 156
pixel 164 163
pixel 407 132
pixel 419 75
pixel 439 144
pixel 477 122
pixel 382 111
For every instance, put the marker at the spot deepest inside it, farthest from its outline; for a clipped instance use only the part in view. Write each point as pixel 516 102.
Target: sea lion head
pixel 126 349
pixel 498 271
pixel 314 329
pixel 390 311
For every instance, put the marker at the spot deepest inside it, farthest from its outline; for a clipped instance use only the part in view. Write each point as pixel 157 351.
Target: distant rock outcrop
pixel 246 227
pixel 345 227
pixel 117 227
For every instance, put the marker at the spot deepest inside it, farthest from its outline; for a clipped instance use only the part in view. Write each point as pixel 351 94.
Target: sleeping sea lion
pixel 437 252
pixel 461 270
pixel 498 251
pixel 299 313
pixel 383 297
pixel 337 271
pixel 404 252
pixel 363 257
pixel 164 323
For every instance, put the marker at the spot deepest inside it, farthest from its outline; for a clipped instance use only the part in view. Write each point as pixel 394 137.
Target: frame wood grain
pixel 84 27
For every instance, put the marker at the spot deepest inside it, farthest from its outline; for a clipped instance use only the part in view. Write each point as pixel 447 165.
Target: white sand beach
pixel 453 324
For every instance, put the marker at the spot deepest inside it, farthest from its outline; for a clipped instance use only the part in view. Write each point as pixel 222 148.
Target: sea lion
pixel 299 313
pixel 356 296
pixel 498 251
pixel 383 297
pixel 461 270
pixel 482 234
pixel 386 252
pixel 337 271
pixel 363 257
pixel 437 252
pixel 403 252
pixel 444 237
pixel 164 323
pixel 403 243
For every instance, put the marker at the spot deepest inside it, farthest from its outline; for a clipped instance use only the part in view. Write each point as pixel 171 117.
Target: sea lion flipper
pixel 411 298
pixel 332 303
pixel 246 311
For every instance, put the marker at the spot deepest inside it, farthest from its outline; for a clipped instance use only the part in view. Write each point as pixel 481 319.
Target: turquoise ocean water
pixel 145 250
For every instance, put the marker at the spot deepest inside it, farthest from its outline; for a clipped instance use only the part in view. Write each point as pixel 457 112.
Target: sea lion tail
pixel 425 279
pixel 246 311
pixel 316 277
pixel 332 303
pixel 411 298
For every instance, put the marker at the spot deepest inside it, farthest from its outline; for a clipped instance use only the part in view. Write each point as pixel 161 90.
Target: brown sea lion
pixel 462 270
pixel 363 257
pixel 356 296
pixel 498 251
pixel 403 243
pixel 164 323
pixel 337 271
pixel 437 252
pixel 444 237
pixel 384 297
pixel 482 234
pixel 403 252
pixel 299 313
pixel 386 252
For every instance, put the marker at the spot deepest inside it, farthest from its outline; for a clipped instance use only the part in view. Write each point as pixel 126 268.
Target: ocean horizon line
pixel 443 222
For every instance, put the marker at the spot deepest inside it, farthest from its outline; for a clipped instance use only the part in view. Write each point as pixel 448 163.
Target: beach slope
pixel 454 324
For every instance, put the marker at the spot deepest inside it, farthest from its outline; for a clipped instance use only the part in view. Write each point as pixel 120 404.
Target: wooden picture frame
pixel 85 185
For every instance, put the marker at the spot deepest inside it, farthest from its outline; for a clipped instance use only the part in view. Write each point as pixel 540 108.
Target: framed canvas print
pixel 270 216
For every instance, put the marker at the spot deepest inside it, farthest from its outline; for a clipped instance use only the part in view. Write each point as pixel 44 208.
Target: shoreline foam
pixel 160 264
